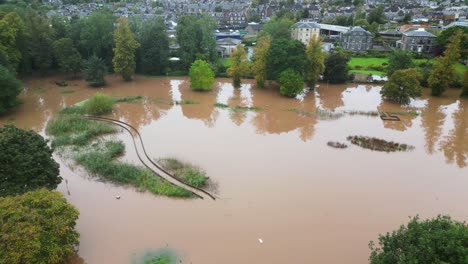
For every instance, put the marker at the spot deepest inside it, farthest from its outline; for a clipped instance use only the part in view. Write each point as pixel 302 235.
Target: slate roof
pixel 306 25
pixel 418 33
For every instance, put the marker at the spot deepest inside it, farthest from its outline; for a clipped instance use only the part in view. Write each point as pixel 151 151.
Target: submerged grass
pixel 319 113
pixel 187 102
pixel 185 172
pixel 67 91
pixel 237 107
pixel 378 144
pixel 129 99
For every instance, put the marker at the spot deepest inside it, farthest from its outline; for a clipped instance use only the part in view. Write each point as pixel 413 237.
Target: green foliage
pixel 163 259
pixel 399 60
pixel 259 65
pixel 201 76
pixel 39 41
pixel 185 172
pixel 402 86
pixel 95 33
pixel 94 70
pixel 336 70
pixel 316 58
pixel 376 15
pixel 291 83
pixel 239 66
pixel 196 40
pixel 98 104
pixel 10 88
pixel 27 162
pixel 68 57
pixel 154 51
pixel 444 38
pixel 124 51
pixel 437 240
pixel 37 227
pixel 278 28
pixel 13 33
pixel 284 54
pixel 465 85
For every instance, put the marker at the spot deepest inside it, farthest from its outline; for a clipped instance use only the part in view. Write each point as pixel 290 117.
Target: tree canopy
pixel 153 55
pixel 260 60
pixel 444 38
pixel 399 60
pixel 316 59
pixel 201 76
pixel 13 33
pixel 39 41
pixel 27 162
pixel 239 65
pixel 37 227
pixel 402 86
pixel 94 70
pixel 96 34
pixel 284 54
pixel 68 57
pixel 291 83
pixel 10 88
pixel 336 67
pixel 124 51
pixel 278 28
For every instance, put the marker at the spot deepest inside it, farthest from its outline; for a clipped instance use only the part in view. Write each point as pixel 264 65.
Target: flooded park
pixel 283 194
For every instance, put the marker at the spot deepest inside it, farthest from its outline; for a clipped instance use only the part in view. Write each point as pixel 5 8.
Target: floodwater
pixel 276 178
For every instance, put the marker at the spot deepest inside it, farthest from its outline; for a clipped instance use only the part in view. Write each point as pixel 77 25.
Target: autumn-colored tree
pixel 443 73
pixel 402 86
pixel 124 51
pixel 239 65
pixel 201 76
pixel 259 66
pixel 316 59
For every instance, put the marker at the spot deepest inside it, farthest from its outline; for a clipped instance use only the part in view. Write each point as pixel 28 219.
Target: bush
pixel 291 83
pixel 98 104
pixel 26 162
pixel 37 227
pixel 201 76
pixel 94 70
pixel 438 240
pixel 10 88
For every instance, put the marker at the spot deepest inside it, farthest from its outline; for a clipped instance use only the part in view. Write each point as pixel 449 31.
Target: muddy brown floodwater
pixel 277 179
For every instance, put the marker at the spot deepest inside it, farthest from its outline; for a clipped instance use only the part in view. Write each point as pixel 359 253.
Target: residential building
pixel 417 41
pixel 357 39
pixel 304 31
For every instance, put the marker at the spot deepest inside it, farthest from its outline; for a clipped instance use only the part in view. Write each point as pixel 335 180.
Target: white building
pixel 304 31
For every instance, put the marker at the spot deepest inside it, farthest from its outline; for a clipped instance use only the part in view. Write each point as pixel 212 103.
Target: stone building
pixel 304 30
pixel 357 39
pixel 417 41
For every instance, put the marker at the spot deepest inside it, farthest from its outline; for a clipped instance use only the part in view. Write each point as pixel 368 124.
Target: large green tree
pixel 316 58
pixel 37 227
pixel 195 36
pixel 284 54
pixel 291 83
pixel 443 72
pixel 68 57
pixel 437 240
pixel 96 34
pixel 260 60
pixel 399 60
pixel 153 55
pixel 10 88
pixel 402 86
pixel 278 28
pixel 124 51
pixel 201 76
pixel 239 66
pixel 27 162
pixel 443 39
pixel 336 67
pixel 376 15
pixel 12 34
pixel 94 70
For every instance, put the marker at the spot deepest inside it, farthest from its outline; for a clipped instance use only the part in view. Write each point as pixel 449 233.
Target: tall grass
pixel 98 104
pixel 185 172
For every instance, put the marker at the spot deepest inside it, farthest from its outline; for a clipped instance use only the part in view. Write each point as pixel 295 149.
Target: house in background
pixel 304 31
pixel 357 39
pixel 225 46
pixel 417 41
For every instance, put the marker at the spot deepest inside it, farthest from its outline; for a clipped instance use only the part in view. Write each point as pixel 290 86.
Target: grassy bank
pixel 185 172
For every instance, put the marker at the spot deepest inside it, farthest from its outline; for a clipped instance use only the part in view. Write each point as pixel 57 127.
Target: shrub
pixel 201 76
pixel 98 104
pixel 37 227
pixel 437 240
pixel 94 70
pixel 26 162
pixel 291 83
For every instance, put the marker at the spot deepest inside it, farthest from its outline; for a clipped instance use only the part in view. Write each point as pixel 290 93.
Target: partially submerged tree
pixel 154 50
pixel 284 54
pixel 402 86
pixel 13 32
pixel 291 83
pixel 239 65
pixel 399 60
pixel 94 70
pixel 37 227
pixel 39 41
pixel 260 60
pixel 316 59
pixel 201 76
pixel 68 57
pixel 336 67
pixel 437 240
pixel 443 73
pixel 27 162
pixel 124 51
pixel 10 88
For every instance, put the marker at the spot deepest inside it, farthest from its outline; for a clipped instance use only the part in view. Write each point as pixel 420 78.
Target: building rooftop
pixel 419 33
pixel 306 25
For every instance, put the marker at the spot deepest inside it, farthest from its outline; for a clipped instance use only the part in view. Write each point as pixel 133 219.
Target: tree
pixel 37 227
pixel 336 67
pixel 94 70
pixel 377 15
pixel 444 38
pixel 201 76
pixel 124 51
pixel 260 59
pixel 154 50
pixel 96 34
pixel 10 88
pixel 443 73
pixel 284 54
pixel 239 65
pixel 68 57
pixel 27 162
pixel 465 85
pixel 196 39
pixel 278 28
pixel 399 60
pixel 437 240
pixel 12 33
pixel 291 83
pixel 316 59
pixel 402 86
pixel 407 18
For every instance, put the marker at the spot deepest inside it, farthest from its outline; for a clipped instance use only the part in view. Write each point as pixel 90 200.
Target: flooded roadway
pixel 276 178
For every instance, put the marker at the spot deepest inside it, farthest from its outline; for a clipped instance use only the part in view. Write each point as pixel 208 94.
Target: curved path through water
pixel 148 162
